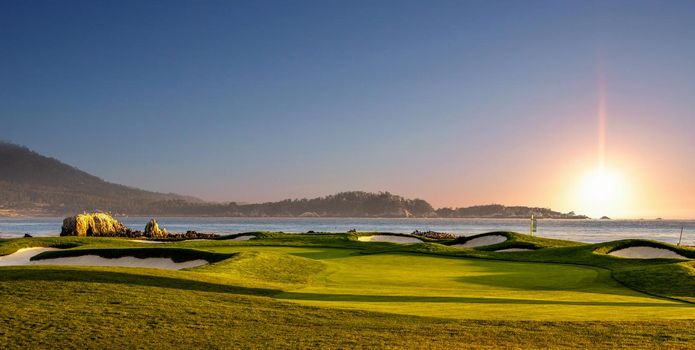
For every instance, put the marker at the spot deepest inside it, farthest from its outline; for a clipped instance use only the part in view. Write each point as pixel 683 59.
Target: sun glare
pixel 602 192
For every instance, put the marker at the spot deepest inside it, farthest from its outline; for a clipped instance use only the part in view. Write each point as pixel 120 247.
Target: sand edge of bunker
pixel 389 238
pixel 162 258
pixel 147 241
pixel 481 240
pixel 509 250
pixel 646 252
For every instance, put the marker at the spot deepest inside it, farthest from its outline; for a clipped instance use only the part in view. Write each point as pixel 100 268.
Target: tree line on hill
pixel 32 184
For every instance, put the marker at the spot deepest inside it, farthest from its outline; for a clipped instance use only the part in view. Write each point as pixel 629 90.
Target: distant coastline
pixel 35 185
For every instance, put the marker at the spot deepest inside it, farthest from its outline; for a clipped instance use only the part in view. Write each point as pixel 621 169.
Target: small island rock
pixel 92 224
pixel 152 230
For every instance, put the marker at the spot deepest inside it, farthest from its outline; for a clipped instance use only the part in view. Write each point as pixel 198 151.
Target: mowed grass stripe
pixel 479 289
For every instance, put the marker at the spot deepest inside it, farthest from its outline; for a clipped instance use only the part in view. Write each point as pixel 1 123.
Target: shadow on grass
pixel 175 254
pixel 462 300
pixel 327 253
pixel 81 275
pixel 573 278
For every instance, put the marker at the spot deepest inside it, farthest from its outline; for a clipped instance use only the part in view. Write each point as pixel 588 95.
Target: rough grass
pixel 39 313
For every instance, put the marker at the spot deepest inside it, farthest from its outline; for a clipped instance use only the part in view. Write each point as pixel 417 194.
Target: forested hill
pixel 501 211
pixel 32 184
pixel 355 204
pixel 344 204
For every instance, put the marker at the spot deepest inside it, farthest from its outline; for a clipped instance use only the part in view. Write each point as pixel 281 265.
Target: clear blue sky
pixel 256 100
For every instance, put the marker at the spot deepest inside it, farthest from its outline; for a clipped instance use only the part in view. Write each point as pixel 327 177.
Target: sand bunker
pixel 126 261
pixel 513 250
pixel 243 238
pixel 482 241
pixel 146 241
pixel 23 256
pixel 646 253
pixel 389 238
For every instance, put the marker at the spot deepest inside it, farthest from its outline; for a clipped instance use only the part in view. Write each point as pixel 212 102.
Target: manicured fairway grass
pixel 480 289
pixel 329 291
pixel 438 286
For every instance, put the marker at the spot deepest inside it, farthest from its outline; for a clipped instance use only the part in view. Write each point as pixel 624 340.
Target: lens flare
pixel 602 192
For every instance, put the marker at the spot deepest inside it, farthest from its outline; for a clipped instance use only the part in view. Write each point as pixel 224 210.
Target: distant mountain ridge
pixel 32 184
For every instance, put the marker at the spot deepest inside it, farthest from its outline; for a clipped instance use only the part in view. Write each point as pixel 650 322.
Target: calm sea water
pixel 590 231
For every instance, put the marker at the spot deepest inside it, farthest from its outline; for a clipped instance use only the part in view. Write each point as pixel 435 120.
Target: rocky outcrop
pixel 152 230
pixel 434 234
pixel 92 224
pixel 193 235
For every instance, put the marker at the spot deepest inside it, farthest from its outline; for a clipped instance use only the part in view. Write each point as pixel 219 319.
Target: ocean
pixel 590 231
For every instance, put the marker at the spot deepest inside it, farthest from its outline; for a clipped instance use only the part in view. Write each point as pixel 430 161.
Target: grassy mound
pixel 670 280
pixel 92 224
pixel 266 268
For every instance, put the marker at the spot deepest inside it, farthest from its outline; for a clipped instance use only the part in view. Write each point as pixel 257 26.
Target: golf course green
pixel 336 291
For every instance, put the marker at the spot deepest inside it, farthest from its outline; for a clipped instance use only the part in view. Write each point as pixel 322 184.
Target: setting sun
pixel 602 192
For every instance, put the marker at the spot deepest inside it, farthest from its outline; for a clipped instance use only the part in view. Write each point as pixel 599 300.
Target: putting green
pixel 460 288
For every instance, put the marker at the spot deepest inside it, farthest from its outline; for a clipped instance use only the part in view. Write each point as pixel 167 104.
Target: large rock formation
pixel 152 230
pixel 92 224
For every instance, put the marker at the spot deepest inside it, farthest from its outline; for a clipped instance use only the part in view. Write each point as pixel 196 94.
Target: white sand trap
pixel 126 261
pixel 389 238
pixel 513 250
pixel 482 241
pixel 23 256
pixel 146 241
pixel 646 253
pixel 243 238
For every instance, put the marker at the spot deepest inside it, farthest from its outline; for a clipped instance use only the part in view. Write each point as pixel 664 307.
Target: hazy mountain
pixel 32 184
